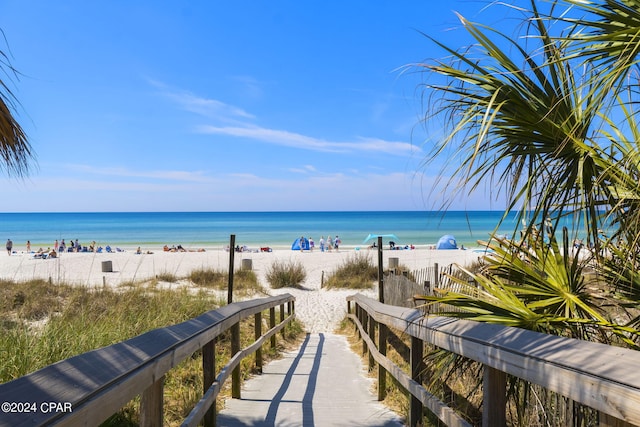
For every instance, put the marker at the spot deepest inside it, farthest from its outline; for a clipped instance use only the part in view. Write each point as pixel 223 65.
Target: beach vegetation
pixel 245 282
pixel 357 271
pixel 166 276
pixel 41 324
pixel 207 277
pixel 286 274
pixel 544 116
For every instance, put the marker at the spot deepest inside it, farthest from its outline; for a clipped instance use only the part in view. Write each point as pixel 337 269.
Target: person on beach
pixel 63 246
pixel 311 244
pixel 55 245
pixel 329 244
pixel 301 243
pixel 337 242
pixel 9 246
pixel 28 246
pixel 321 243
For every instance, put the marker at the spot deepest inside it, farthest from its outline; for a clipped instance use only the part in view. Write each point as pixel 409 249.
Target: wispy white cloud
pixel 206 107
pixel 242 126
pixel 211 108
pixel 305 169
pixel 171 175
pixel 296 140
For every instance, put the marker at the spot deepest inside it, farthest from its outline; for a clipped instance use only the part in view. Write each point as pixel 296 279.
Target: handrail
pixel 600 376
pixel 88 388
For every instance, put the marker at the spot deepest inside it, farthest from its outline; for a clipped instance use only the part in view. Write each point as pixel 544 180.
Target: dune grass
pixel 356 272
pixel 41 324
pixel 283 274
pixel 245 282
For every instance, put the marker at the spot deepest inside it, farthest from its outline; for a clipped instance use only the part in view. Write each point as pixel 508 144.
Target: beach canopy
pixel 384 236
pixel 296 244
pixel 447 242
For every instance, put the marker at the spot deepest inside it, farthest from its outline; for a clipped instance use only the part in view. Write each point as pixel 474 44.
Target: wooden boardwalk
pixel 323 383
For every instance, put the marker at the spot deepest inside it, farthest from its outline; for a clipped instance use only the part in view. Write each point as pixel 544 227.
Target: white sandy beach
pixel 319 309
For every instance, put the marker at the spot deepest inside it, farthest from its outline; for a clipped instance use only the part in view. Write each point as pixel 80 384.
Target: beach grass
pixel 245 282
pixel 41 324
pixel 283 274
pixel 357 271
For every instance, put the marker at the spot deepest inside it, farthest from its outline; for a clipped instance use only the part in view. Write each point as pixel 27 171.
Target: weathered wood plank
pixel 151 404
pixel 600 376
pixel 197 413
pixel 494 400
pixel 97 383
pixel 436 406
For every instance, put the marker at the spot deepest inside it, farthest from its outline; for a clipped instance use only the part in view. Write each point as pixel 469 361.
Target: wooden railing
pixel 602 377
pixel 87 389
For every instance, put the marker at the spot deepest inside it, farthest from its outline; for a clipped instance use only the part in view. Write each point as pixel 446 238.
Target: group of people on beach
pixel 179 248
pixel 325 245
pixel 60 247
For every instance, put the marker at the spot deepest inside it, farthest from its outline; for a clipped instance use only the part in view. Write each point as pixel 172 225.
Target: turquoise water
pixel 274 229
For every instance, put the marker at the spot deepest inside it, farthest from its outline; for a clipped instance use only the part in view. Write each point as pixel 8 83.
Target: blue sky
pixel 156 105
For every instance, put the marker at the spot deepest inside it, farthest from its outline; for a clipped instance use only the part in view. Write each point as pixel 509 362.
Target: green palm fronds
pixel 536 288
pixel 527 125
pixel 548 118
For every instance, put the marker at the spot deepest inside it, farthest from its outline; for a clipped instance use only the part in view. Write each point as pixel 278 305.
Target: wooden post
pixel 209 376
pixel 382 373
pixel 282 331
pixel 257 335
pixel 610 421
pixel 494 395
pixel 151 404
pixel 272 324
pixel 372 335
pixel 415 410
pixel 380 272
pixel 235 348
pixel 365 327
pixel 232 249
pixel 436 275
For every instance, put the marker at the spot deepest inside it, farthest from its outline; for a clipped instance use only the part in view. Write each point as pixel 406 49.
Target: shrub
pixel 244 281
pixel 166 277
pixel 356 272
pixel 286 274
pixel 209 278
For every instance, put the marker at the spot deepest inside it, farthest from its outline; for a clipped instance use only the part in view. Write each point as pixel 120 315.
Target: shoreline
pixel 212 230
pixel 20 249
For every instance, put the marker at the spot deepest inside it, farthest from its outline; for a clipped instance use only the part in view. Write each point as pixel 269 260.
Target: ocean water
pixel 274 229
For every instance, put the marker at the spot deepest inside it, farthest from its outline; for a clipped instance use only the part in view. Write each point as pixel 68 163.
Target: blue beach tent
pixel 447 242
pixel 296 245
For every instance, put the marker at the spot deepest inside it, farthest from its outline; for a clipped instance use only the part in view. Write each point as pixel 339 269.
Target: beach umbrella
pixel 384 236
pixel 447 242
